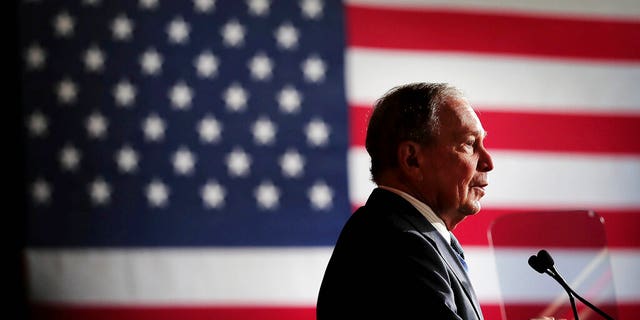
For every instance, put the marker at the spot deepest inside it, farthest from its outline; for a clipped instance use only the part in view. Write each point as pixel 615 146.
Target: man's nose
pixel 485 163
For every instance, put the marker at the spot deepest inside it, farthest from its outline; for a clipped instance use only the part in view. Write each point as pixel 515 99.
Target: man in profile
pixel 396 257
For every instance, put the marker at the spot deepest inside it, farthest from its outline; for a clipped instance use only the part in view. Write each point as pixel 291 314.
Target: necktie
pixel 455 245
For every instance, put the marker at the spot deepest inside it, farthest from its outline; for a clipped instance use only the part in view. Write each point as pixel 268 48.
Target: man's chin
pixel 471 209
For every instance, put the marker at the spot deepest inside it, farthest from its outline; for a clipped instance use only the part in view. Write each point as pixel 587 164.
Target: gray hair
pixel 405 113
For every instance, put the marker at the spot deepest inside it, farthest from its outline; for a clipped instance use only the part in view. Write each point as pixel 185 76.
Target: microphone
pixel 545 258
pixel 543 263
pixel 536 264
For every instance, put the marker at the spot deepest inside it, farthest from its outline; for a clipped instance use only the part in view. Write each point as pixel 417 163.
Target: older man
pixel 396 257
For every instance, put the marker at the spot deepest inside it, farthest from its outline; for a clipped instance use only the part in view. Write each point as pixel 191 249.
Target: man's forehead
pixel 458 113
pixel 459 110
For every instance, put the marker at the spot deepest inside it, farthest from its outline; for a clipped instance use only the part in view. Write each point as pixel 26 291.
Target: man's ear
pixel 408 158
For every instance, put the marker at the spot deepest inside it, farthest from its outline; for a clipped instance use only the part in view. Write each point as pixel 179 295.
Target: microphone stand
pixel 572 293
pixel 543 263
pixel 555 275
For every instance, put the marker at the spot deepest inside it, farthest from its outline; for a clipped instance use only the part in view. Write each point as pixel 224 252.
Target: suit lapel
pixel 425 228
pixel 447 253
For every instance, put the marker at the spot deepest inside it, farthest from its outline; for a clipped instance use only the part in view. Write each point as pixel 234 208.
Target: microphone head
pixel 545 259
pixel 534 262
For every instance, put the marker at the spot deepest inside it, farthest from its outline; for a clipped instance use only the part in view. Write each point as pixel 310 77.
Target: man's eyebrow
pixel 481 133
pixel 468 131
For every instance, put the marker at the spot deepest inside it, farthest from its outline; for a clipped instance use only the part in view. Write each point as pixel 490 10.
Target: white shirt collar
pixel 425 210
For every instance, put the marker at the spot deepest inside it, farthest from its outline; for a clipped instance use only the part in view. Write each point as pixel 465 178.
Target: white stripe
pixel 520 283
pixel 629 9
pixel 266 276
pixel 538 180
pixel 499 81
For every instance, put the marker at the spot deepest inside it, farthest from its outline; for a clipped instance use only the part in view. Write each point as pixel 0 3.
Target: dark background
pixel 14 211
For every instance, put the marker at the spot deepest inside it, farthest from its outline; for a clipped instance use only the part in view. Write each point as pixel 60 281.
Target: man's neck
pixel 425 210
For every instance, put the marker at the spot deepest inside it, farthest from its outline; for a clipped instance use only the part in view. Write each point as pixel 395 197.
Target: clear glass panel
pixel 577 242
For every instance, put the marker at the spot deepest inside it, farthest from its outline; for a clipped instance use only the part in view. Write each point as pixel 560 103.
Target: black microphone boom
pixel 543 263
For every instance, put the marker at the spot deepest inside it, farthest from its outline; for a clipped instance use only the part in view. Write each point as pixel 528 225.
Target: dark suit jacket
pixel 391 263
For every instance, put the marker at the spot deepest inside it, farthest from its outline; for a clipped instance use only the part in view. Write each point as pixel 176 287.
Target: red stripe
pixel 358 120
pixel 529 311
pixel 450 30
pixel 67 312
pixel 620 227
pixel 591 133
pixel 562 132
pixel 626 311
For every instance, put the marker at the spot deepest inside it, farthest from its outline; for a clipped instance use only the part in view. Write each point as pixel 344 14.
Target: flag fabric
pixel 197 159
pixel 555 87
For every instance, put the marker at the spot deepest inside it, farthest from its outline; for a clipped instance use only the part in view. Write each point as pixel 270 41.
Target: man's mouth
pixel 480 188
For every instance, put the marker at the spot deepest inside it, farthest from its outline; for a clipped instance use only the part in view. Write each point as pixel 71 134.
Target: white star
pixel 157 193
pixel 314 69
pixel 148 4
pixel 264 131
pixel 41 191
pixel 127 159
pixel 151 62
pixel 153 127
pixel 180 96
pixel 122 28
pixel 233 33
pixel 286 36
pixel 292 164
pixel 124 93
pixel 267 195
pixel 178 31
pixel 100 192
pixel 96 125
pixel 235 97
pixel 317 132
pixel 37 124
pixel 206 64
pixel 35 56
pixel 258 7
pixel 289 99
pixel 210 129
pixel 94 59
pixel 63 25
pixel 321 196
pixel 238 163
pixel 204 6
pixel 183 161
pixel 311 9
pixel 260 66
pixel 67 91
pixel 213 194
pixel 91 3
pixel 69 158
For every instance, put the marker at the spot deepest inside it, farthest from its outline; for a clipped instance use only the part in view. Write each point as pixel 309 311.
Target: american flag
pixel 197 159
